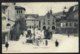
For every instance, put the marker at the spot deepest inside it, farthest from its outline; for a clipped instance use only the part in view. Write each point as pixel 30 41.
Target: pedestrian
pixel 46 42
pixel 56 43
pixel 48 34
pixel 37 41
pixel 6 45
pixel 68 35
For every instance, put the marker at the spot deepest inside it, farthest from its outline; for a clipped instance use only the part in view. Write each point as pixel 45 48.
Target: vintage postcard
pixel 40 27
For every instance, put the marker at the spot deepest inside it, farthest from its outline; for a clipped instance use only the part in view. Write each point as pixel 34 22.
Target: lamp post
pixel 34 30
pixel 8 25
pixel 64 16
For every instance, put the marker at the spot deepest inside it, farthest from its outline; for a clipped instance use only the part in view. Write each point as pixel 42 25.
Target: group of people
pixel 38 37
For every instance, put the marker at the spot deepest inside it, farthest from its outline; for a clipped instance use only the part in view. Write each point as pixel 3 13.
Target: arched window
pixel 44 27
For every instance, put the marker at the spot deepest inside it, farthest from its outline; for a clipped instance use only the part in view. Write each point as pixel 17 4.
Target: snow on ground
pixel 66 44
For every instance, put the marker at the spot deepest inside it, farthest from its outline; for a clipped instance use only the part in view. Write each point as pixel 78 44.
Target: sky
pixel 42 8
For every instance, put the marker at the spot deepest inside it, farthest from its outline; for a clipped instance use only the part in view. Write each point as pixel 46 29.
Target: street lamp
pixel 8 25
pixel 34 31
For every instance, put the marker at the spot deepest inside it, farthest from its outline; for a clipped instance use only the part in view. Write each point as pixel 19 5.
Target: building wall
pixel 71 24
pixel 4 19
pixel 32 22
pixel 9 12
pixel 48 22
pixel 19 13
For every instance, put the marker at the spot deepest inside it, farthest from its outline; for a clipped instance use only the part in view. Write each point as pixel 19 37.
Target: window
pixel 66 24
pixel 75 24
pixel 43 22
pixel 48 27
pixel 62 24
pixel 48 15
pixel 53 19
pixel 3 18
pixel 17 11
pixel 58 24
pixel 53 27
pixel 52 22
pixel 70 24
pixel 76 15
pixel 21 11
pixel 48 22
pixel 39 23
pixel 37 26
pixel 4 11
pixel 44 27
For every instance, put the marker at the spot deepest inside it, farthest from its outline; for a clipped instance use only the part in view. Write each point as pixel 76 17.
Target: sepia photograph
pixel 40 27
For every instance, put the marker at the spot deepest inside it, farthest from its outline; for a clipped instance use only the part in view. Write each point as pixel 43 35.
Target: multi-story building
pixel 72 25
pixel 69 24
pixel 48 21
pixel 17 28
pixel 19 12
pixel 32 20
pixel 10 13
pixel 58 17
pixel 62 22
pixel 6 9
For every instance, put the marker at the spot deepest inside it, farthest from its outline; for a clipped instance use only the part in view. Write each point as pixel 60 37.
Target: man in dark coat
pixel 56 43
pixel 47 36
pixel 6 45
pixel 29 34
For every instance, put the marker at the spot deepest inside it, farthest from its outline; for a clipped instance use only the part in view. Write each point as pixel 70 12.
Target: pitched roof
pixel 59 13
pixel 72 13
pixel 19 8
pixel 4 6
pixel 32 15
pixel 72 9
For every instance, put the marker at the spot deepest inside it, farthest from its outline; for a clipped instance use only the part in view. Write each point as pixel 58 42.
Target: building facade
pixel 19 12
pixel 32 21
pixel 17 28
pixel 69 24
pixel 6 14
pixel 9 16
pixel 61 22
pixel 48 21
